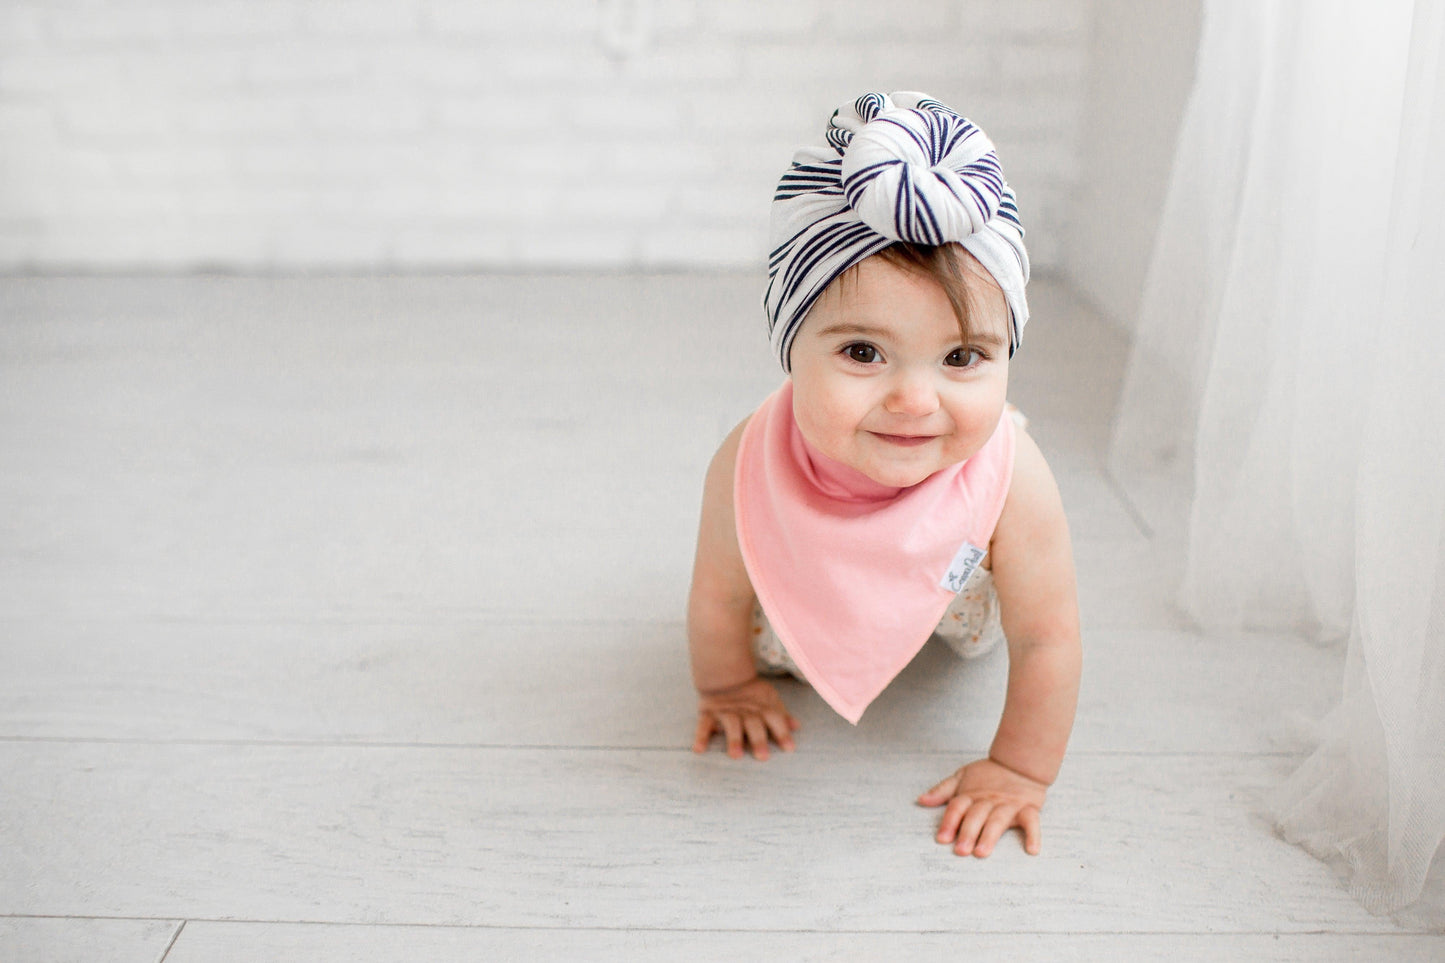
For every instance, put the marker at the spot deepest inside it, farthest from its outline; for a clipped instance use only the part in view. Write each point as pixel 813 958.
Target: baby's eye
pixel 860 352
pixel 965 357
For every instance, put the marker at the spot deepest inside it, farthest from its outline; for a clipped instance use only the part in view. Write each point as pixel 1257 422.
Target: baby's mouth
pixel 906 441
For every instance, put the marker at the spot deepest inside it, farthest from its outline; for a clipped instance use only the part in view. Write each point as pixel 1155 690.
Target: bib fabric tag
pixel 962 567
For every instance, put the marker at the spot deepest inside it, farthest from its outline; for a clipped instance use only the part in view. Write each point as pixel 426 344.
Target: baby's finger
pixel 733 732
pixel 972 823
pixel 998 823
pixel 940 793
pixel 705 728
pixel 948 825
pixel 757 735
pixel 1029 820
pixel 782 732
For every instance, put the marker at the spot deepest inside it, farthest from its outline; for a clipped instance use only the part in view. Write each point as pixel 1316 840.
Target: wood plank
pixel 374 528
pixel 386 541
pixel 621 684
pixel 69 940
pixel 190 448
pixel 204 942
pixel 641 839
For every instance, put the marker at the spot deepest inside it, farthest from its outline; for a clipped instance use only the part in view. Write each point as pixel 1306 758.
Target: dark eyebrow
pixel 852 327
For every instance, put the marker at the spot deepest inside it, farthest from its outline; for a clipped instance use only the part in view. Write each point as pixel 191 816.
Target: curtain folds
pixel 1289 369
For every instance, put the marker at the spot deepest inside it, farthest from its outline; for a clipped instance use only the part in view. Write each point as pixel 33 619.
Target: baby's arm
pixel 732 698
pixel 1033 572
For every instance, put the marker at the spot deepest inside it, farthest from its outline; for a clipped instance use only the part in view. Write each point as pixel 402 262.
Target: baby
pixel 885 491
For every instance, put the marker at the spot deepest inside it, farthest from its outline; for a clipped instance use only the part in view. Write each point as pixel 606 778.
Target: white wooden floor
pixel 342 619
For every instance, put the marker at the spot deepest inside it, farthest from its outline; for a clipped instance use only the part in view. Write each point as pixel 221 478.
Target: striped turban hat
pixel 896 167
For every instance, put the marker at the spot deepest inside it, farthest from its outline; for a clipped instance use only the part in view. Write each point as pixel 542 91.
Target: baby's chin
pixel 905 472
pixel 901 474
pixel 895 477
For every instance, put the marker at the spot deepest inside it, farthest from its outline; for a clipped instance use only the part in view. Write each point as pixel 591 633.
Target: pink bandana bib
pixel 853 575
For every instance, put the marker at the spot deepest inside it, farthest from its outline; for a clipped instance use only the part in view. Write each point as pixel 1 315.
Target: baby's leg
pixel 768 653
pixel 971 625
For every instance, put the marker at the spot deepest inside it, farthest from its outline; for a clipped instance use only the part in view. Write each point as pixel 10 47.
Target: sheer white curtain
pixel 1290 370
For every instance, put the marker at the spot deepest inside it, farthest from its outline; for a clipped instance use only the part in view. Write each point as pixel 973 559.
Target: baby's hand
pixel 752 709
pixel 988 796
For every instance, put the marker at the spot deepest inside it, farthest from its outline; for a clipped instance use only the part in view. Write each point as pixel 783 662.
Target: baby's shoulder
pixel 1032 505
pixel 1028 458
pixel 719 483
pixel 727 452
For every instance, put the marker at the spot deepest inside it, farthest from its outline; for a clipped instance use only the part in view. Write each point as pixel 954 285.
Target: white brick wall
pixel 392 134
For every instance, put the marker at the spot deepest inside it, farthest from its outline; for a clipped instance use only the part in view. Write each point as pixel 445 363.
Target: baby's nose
pixel 913 394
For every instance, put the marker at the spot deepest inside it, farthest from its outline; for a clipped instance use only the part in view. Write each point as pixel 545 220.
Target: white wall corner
pixel 1140 72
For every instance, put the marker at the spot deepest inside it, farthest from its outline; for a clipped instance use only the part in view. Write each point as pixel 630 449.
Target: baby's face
pixel 882 359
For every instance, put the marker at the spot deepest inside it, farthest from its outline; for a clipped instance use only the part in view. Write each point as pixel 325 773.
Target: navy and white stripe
pixel 896 167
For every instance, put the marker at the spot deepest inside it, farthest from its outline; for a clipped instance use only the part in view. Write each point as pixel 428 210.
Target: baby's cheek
pixel 976 424
pixel 981 424
pixel 823 422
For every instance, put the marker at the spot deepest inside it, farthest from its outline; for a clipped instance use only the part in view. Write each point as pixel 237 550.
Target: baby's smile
pixel 905 441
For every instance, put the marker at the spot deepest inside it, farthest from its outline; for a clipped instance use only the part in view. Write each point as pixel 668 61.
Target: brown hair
pixel 940 264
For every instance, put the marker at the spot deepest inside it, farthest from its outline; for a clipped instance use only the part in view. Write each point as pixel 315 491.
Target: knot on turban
pixel 924 175
pixel 899 167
